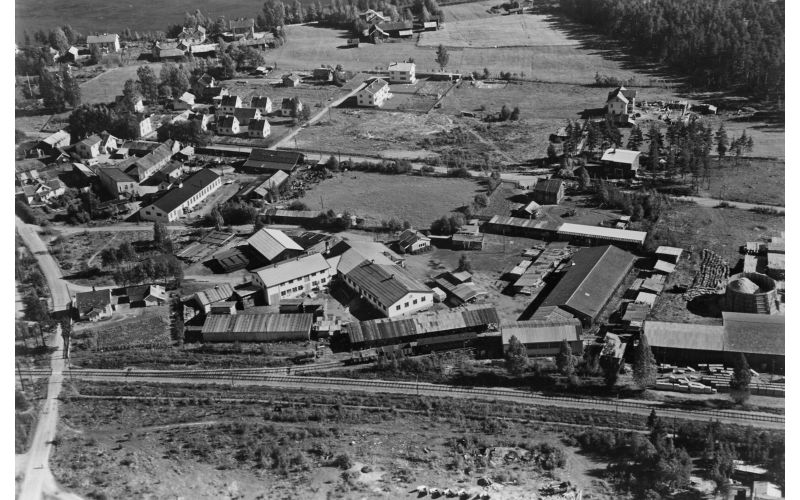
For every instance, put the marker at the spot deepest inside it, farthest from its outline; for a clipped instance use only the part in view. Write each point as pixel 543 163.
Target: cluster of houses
pixel 381 27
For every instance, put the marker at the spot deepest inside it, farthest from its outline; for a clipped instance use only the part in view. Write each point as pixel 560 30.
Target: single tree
pixel 160 233
pixel 516 357
pixel 481 200
pixel 644 364
pixel 148 83
pixel 564 360
pixel 514 116
pixel 58 40
pixel 721 138
pixel 552 155
pixel 442 56
pixel 72 91
pixel 217 219
pixel 636 139
pixel 464 264
pixel 505 113
pixel 740 380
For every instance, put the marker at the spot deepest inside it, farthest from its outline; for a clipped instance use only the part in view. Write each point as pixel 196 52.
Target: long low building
pixel 387 331
pixel 177 202
pixel 580 233
pixel 761 337
pixel 517 226
pixel 389 288
pixel 244 327
pixel 544 337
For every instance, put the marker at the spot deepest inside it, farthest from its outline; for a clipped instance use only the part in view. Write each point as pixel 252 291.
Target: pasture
pixel 376 197
pixel 500 31
pixel 105 87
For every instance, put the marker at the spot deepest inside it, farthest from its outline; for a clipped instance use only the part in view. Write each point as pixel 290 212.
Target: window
pixel 397 308
pixel 415 301
pixel 405 305
pixel 422 299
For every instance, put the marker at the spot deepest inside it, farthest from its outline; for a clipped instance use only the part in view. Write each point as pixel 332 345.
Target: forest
pixel 719 44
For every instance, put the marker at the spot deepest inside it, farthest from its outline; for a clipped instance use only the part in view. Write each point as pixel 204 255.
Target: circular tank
pixel 753 293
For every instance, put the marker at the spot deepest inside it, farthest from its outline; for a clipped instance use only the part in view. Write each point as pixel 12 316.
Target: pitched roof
pixel 354 253
pixel 217 293
pixel 388 283
pixel 171 53
pixel 397 25
pixel 91 140
pixel 228 121
pixel 291 269
pixel 402 66
pixel 105 38
pixel 191 186
pixel 409 237
pixel 376 86
pixel 273 160
pixel 260 125
pixel 96 299
pixel 605 233
pixel 116 175
pixel 156 157
pixel 139 293
pixel 754 333
pixel 56 137
pixel 246 113
pixel 541 332
pixel 663 250
pixel 259 102
pixel 231 100
pixel 620 155
pixel 624 94
pixel 591 280
pixel 548 185
pixel 291 76
pixel 275 179
pixel 272 242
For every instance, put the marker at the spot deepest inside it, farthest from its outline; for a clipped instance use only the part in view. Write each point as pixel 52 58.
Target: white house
pixel 258 129
pixel 117 182
pixel 179 201
pixel 228 125
pixel 292 278
pixel 89 147
pixel 389 288
pixel 261 103
pixel 94 305
pixel 145 126
pixel 412 241
pixel 105 42
pixel 402 72
pixel 228 104
pixel 138 104
pixel 374 94
pixel 621 101
pixel 185 101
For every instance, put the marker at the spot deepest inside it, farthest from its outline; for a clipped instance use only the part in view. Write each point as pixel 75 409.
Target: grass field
pixel 105 87
pixel 501 31
pixel 753 181
pixel 466 11
pixel 420 200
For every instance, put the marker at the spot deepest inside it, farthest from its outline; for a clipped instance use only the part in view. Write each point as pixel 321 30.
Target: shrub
pixel 343 461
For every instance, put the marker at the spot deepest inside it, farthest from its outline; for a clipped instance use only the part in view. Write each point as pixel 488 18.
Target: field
pixel 273 444
pixel 105 87
pixel 753 181
pixel 466 11
pixel 503 31
pixel 376 197
pixel 694 228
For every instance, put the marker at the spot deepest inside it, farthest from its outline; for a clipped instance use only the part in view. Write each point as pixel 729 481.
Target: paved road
pixel 59 290
pixel 713 202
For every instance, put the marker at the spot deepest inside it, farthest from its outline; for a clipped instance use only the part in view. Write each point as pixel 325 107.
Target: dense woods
pixel 719 44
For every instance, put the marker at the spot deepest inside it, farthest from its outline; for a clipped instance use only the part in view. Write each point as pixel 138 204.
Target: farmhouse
pixel 389 288
pixel 292 278
pixel 548 191
pixel 246 115
pixel 107 43
pixel 291 106
pixel 192 36
pixel 179 201
pixel 258 129
pixel 244 27
pixel 117 183
pixel 94 305
pixel 291 80
pixel 168 50
pixel 402 72
pixel 146 295
pixel 434 324
pixel 620 163
pixel 323 73
pixel 588 284
pixel 228 125
pixel 229 104
pixel 544 337
pixel 142 168
pixel 374 94
pixel 254 327
pixel 372 16
pixel 273 245
pixel 399 29
pixel 214 95
pixel 412 241
pixel 89 147
pixel 374 33
pixel 261 103
pixel 261 160
pixel 621 101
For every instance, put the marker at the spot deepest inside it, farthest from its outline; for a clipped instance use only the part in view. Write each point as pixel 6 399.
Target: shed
pixel 669 254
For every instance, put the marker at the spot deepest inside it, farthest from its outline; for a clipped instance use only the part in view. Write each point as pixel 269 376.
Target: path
pixel 492 145
pixel 59 289
pixel 105 245
pixel 713 202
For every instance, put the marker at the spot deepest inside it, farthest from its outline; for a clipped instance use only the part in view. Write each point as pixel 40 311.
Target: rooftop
pixel 388 283
pixel 191 186
pixel 620 155
pixel 606 233
pixel 272 242
pixel 291 269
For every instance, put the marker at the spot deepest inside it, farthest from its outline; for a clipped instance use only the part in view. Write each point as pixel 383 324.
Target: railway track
pixel 262 377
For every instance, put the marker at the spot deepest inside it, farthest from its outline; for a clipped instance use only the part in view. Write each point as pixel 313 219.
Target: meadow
pixel 502 31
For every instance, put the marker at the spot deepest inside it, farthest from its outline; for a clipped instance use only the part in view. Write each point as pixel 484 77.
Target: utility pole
pixel 19 374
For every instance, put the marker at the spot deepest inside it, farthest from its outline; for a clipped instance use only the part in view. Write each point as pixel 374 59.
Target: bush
pixel 342 461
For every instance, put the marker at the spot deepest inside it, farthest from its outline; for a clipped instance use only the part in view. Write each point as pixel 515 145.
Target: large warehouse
pixel 245 327
pixel 590 281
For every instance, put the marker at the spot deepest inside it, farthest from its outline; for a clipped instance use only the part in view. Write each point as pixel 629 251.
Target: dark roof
pixel 394 26
pixel 213 91
pixel 273 160
pixel 116 175
pixel 230 100
pixel 754 333
pixel 548 186
pixel 262 326
pixel 409 237
pixel 139 293
pixel 591 280
pixel 96 299
pixel 191 186
pixel 217 293
pixel 387 283
pixel 258 101
pixel 245 113
pixel 257 125
pixel 227 121
pixel 140 148
pixel 158 156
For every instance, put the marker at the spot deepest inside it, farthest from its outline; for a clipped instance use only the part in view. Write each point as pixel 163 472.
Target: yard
pixel 376 197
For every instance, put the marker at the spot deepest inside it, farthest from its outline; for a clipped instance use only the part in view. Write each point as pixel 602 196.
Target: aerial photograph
pixel 399 249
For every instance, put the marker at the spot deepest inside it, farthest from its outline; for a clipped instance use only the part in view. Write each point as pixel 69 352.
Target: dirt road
pixel 713 202
pixel 59 290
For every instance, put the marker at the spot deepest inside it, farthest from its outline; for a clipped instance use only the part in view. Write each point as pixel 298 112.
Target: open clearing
pixel 376 197
pixel 753 181
pixel 106 87
pixel 503 31
pixel 465 11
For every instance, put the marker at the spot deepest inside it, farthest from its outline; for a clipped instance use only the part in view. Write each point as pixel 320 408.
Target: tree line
pixel 725 44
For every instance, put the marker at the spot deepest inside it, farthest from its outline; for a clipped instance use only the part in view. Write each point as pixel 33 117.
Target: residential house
pixel 292 278
pixel 138 104
pixel 53 189
pixel 402 72
pixel 192 36
pixel 94 305
pixel 246 115
pixel 203 120
pixel 291 107
pixel 375 34
pixel 291 80
pixel 373 17
pixel 108 143
pixel 142 168
pixel 179 201
pixel 261 103
pixel 244 27
pixel 228 105
pixel 167 50
pixel 107 43
pixel 52 142
pixel 258 129
pixel 620 163
pixel 389 288
pixel 548 191
pixel 146 295
pixel 117 183
pixel 89 147
pixel 145 125
pixel 214 95
pixel 374 94
pixel 532 210
pixel 138 148
pixel 228 125
pixel 273 245
pixel 204 82
pixel 621 101
pixel 412 241
pixel 323 73
pixel 185 101
pixel 266 160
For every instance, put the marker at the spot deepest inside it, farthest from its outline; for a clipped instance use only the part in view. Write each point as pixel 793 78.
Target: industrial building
pixel 246 327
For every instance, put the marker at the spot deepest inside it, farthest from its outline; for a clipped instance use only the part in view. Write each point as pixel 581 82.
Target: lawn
pixel 500 31
pixel 376 197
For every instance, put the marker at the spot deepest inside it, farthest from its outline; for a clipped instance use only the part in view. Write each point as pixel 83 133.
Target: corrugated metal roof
pixel 272 242
pixel 754 333
pixel 542 225
pixel 548 185
pixel 646 298
pixel 605 233
pixel 409 237
pixel 359 251
pixel 591 280
pixel 291 269
pixel 218 293
pixel 191 186
pixel 387 283
pixel 273 160
pixel 684 336
pixel 552 314
pixel 537 332
pixel 269 326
